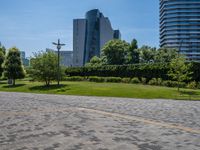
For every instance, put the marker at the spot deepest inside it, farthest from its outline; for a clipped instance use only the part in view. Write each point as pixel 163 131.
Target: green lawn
pixel 104 89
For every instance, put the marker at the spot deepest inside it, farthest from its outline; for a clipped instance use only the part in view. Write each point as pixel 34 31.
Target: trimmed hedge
pixel 196 71
pixel 169 83
pixel 147 71
pixel 114 79
pixel 74 78
pixel 155 81
pixel 135 81
pixel 126 80
pixel 96 79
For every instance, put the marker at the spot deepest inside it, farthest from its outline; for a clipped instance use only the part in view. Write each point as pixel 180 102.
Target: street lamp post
pixel 59 45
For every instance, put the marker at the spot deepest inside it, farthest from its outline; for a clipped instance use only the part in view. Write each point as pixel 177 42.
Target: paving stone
pixel 39 121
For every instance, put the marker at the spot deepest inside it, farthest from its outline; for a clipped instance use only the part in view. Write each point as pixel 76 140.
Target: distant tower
pixel 180 26
pixel 90 35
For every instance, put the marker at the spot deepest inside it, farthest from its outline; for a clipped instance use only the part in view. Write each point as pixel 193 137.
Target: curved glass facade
pixel 92 47
pixel 180 26
pixel 90 35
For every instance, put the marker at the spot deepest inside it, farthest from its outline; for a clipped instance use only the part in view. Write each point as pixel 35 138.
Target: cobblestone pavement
pixel 33 121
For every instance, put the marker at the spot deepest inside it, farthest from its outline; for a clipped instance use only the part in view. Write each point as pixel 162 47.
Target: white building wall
pixel 79 29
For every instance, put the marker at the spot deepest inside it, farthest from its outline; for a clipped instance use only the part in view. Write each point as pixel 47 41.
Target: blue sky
pixel 31 25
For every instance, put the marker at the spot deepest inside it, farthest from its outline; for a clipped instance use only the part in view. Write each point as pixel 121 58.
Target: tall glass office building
pixel 180 26
pixel 90 35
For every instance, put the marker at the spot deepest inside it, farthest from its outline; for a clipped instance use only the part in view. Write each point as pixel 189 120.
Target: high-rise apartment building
pixel 180 26
pixel 25 60
pixel 90 35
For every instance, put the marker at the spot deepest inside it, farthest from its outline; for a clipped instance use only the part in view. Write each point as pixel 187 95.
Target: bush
pixel 192 85
pixel 155 81
pixel 114 79
pixel 143 80
pixel 170 83
pixel 159 81
pixel 126 80
pixel 74 78
pixel 148 71
pixel 96 79
pixel 198 85
pixel 135 80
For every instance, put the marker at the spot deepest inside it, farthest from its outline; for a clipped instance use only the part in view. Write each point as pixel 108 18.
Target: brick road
pixel 34 121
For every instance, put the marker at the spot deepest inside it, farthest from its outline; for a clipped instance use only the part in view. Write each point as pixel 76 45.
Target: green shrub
pixel 114 79
pixel 192 85
pixel 198 85
pixel 96 79
pixel 148 71
pixel 170 83
pixel 126 80
pixel 143 80
pixel 74 78
pixel 159 81
pixel 135 80
pixel 155 81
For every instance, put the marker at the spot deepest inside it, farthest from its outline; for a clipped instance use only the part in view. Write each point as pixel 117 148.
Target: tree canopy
pixel 2 57
pixel 179 70
pixel 133 53
pixel 3 49
pixel 165 55
pixel 95 62
pixel 13 68
pixel 115 52
pixel 118 52
pixel 1 62
pixel 44 67
pixel 147 54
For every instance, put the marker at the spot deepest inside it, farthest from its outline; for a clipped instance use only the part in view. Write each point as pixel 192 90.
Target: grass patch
pixel 104 89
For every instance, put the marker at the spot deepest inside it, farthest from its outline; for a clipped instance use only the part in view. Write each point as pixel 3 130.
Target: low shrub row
pixel 147 71
pixel 95 79
pixel 135 80
pixel 74 78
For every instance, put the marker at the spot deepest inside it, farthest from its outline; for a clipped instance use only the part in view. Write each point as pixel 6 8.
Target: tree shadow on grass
pixel 189 93
pixel 60 88
pixel 14 86
pixel 3 82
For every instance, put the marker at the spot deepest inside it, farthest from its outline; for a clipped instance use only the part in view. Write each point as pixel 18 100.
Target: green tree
pixel 44 67
pixel 179 70
pixel 13 68
pixel 164 55
pixel 3 49
pixel 133 53
pixel 147 54
pixel 95 62
pixel 115 52
pixel 2 57
pixel 1 62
